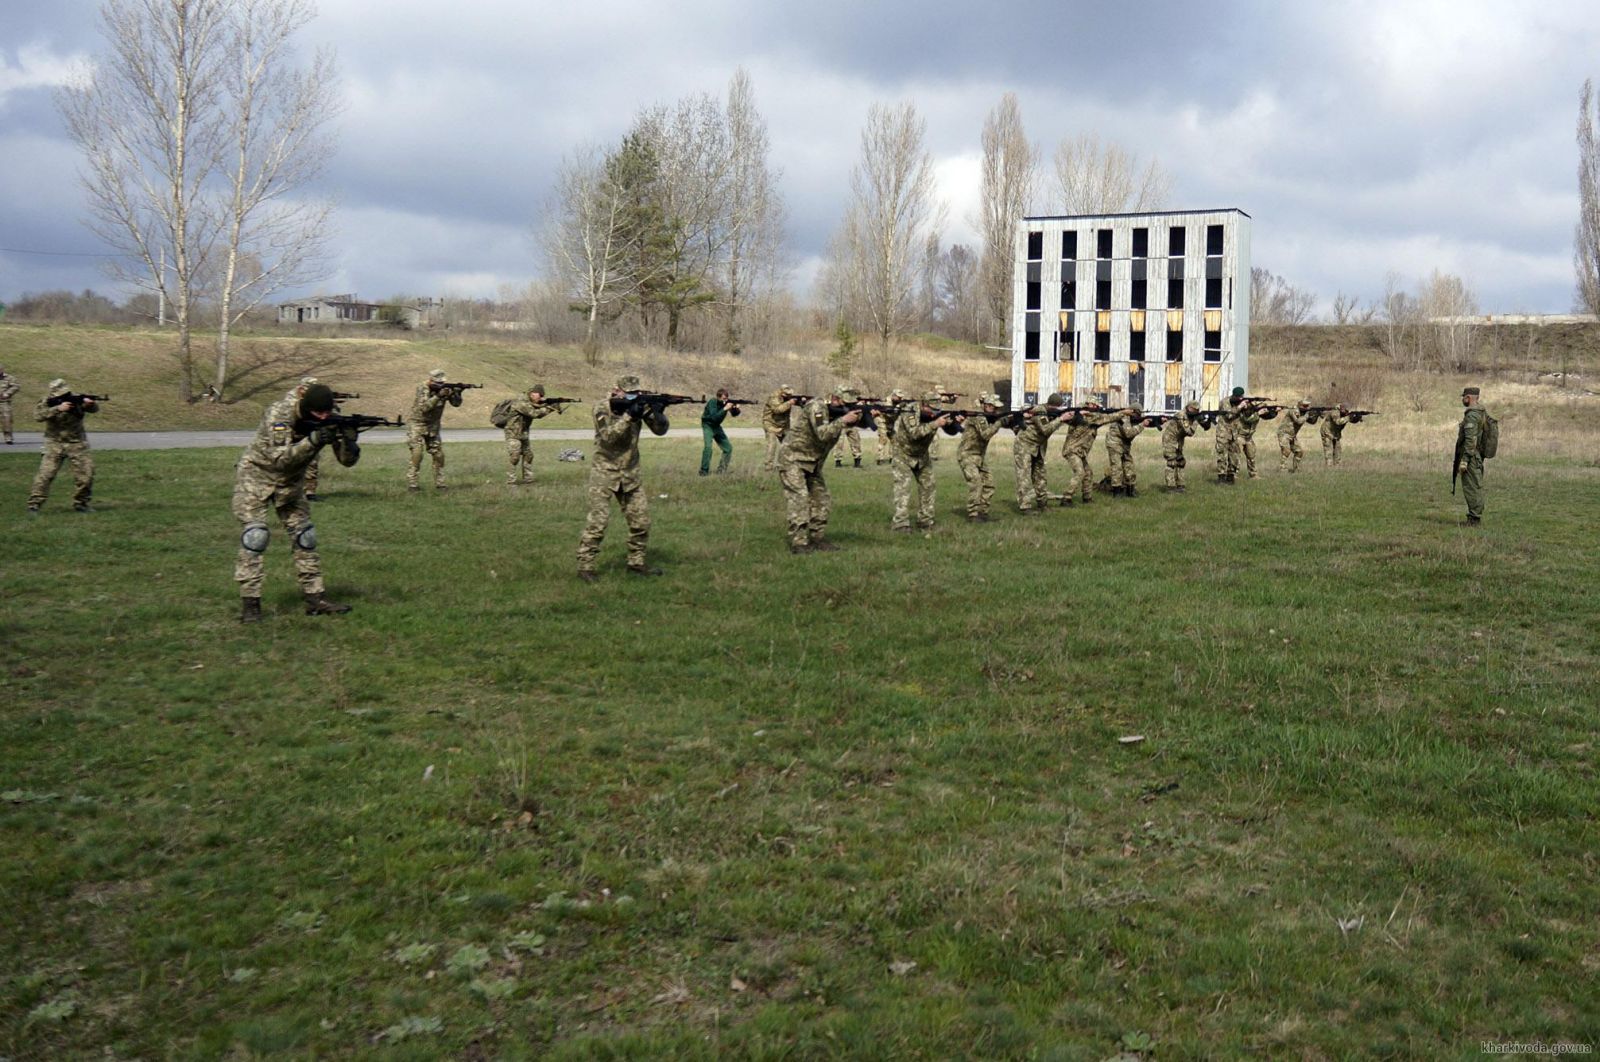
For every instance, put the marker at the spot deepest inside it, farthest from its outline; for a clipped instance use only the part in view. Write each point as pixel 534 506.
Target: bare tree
pixel 891 213
pixel 1586 240
pixel 755 213
pixel 148 122
pixel 1096 178
pixel 1347 309
pixel 1010 164
pixel 1399 313
pixel 1450 308
pixel 275 115
pixel 588 241
pixel 963 308
pixel 1274 301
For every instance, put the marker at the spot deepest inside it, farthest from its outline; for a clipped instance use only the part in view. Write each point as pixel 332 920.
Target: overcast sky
pixel 1361 137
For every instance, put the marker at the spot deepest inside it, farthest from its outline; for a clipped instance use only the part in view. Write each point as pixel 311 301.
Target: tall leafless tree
pixel 755 213
pixel 275 115
pixel 1586 240
pixel 148 121
pixel 589 243
pixel 1096 178
pixel 891 213
pixel 1010 167
pixel 1274 301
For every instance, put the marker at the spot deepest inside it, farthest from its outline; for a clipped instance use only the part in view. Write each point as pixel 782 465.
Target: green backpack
pixel 1488 436
pixel 501 413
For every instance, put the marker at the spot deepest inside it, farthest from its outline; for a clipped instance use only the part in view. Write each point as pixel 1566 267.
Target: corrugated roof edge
pixel 1132 214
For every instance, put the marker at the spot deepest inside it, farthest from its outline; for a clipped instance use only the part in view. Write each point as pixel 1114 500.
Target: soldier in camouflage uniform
pixel 270 477
pixel 1333 423
pixel 972 456
pixel 8 390
pixel 1289 449
pixel 1469 452
pixel 775 422
pixel 614 473
pixel 1173 433
pixel 422 429
pixel 64 441
pixel 884 453
pixel 813 430
pixel 521 414
pixel 1029 450
pixel 914 432
pixel 313 470
pixel 1249 421
pixel 1082 428
pixel 1119 451
pixel 1226 425
pixel 851 441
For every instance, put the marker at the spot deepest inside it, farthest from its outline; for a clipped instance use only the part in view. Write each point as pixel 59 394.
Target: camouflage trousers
pixel 1176 463
pixel 806 500
pixel 55 455
pixel 884 452
pixel 1330 451
pixel 1121 468
pixel 313 474
pixel 909 475
pixel 421 440
pixel 1289 453
pixel 774 444
pixel 1472 486
pixel 1033 490
pixel 519 459
pixel 257 495
pixel 5 418
pixel 1247 448
pixel 980 484
pixel 1080 479
pixel 1227 447
pixel 635 510
pixel 851 439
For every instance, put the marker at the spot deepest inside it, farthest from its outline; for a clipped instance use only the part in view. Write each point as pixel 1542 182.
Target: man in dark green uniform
pixel 717 410
pixel 1469 452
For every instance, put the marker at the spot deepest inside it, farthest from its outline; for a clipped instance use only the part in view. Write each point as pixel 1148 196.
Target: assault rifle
pixel 1348 412
pixel 72 398
pixel 358 422
pixel 344 396
pixel 440 385
pixel 561 404
pixel 650 401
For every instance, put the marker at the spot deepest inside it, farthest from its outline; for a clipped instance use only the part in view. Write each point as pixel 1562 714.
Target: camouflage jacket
pixel 810 436
pixel 913 436
pixel 1249 421
pixel 776 414
pixel 1293 421
pixel 427 409
pixel 8 387
pixel 523 413
pixel 975 436
pixel 1120 438
pixel 1081 432
pixel 1469 434
pixel 1333 424
pixel 1174 431
pixel 61 427
pixel 275 452
pixel 616 448
pixel 1034 435
pixel 1226 422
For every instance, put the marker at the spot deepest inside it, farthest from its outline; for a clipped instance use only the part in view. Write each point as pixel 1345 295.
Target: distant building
pixel 347 309
pixel 1150 309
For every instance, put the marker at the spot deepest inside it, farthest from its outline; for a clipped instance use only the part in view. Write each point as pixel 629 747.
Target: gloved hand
pixel 323 436
pixel 638 408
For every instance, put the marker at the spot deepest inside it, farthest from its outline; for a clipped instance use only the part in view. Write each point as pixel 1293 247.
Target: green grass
pixel 495 812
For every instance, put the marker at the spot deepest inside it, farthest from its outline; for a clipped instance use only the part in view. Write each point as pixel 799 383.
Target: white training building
pixel 1147 309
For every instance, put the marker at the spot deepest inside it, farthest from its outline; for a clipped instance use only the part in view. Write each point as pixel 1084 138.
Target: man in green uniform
pixel 1173 434
pixel 1226 442
pixel 614 473
pixel 1289 449
pixel 775 422
pixel 1028 453
pixel 813 430
pixel 914 432
pixel 1082 428
pixel 64 441
pixel 270 477
pixel 1333 424
pixel 8 390
pixel 521 414
pixel 1469 452
pixel 972 456
pixel 1119 452
pixel 717 410
pixel 422 428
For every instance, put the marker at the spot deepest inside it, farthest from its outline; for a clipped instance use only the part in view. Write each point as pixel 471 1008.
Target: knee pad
pixel 306 538
pixel 256 537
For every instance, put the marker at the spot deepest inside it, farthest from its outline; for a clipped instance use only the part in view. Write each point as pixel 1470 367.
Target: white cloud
pixel 36 66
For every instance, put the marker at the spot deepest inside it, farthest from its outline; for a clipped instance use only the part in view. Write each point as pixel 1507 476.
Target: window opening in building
pixel 1102 346
pixel 1213 241
pixel 1214 294
pixel 1102 294
pixel 1175 241
pixel 1069 294
pixel 1141 243
pixel 1174 294
pixel 1030 346
pixel 1033 294
pixel 1035 246
pixel 1174 346
pixel 1135 346
pixel 1104 236
pixel 1213 346
pixel 1137 298
pixel 1069 244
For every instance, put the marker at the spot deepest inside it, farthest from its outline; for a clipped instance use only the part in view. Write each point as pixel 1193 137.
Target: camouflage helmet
pixel 1192 408
pixel 437 374
pixel 849 394
pixel 1304 403
pixel 932 398
pixel 1135 411
pixel 627 383
pixel 536 389
pixel 58 386
pixel 307 381
pixel 989 398
pixel 898 395
pixel 1056 398
pixel 786 389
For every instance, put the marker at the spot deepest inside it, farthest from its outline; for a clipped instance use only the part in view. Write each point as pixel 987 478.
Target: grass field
pixel 866 804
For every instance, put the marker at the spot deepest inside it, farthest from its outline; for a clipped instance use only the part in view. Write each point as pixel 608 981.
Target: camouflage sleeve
pixel 917 428
pixel 611 429
pixel 1471 429
pixel 45 411
pixel 985 428
pixel 539 412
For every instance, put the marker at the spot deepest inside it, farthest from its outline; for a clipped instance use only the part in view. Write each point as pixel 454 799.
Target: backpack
pixel 1488 436
pixel 501 413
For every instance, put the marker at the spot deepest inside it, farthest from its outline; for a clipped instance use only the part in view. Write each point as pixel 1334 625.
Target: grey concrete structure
pixel 1150 308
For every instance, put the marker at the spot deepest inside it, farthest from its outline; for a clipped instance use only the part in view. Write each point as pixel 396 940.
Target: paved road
pixel 28 441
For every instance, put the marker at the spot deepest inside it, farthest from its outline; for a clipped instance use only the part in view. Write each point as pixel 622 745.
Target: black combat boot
pixel 643 569
pixel 251 612
pixel 822 545
pixel 317 605
pixel 1130 492
pixel 858 462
